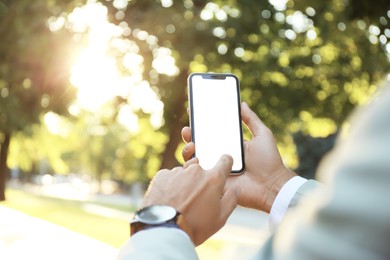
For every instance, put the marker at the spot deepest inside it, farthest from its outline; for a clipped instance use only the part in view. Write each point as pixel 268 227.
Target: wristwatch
pixel 154 216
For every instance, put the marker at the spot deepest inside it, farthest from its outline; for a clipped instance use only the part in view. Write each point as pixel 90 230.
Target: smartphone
pixel 215 119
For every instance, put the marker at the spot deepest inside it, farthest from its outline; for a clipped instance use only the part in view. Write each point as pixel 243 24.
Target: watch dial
pixel 156 214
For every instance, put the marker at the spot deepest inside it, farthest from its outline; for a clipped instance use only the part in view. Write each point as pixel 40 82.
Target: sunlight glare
pixel 55 124
pixel 299 21
pixel 143 97
pixel 96 72
pixel 120 4
pixel 164 63
pixel 94 75
pixel 133 62
pixel 166 3
pixel 127 118
pixel 91 15
pixel 279 5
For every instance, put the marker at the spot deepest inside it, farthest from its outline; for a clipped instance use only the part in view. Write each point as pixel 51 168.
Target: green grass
pixel 70 214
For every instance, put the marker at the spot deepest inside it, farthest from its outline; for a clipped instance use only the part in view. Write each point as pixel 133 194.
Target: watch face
pixel 156 214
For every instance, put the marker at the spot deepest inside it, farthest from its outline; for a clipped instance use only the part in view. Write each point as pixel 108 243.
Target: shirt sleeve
pixel 283 199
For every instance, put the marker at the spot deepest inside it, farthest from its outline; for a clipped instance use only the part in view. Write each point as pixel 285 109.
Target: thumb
pixel 250 118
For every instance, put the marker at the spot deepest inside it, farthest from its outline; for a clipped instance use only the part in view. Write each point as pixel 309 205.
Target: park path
pixel 26 237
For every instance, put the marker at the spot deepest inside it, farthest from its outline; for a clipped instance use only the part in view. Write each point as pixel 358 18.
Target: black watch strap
pixel 138 226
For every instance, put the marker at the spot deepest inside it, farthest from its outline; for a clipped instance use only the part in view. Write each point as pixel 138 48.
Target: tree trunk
pixel 3 164
pixel 174 119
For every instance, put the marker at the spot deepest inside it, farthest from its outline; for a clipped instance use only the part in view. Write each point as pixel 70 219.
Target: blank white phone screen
pixel 215 119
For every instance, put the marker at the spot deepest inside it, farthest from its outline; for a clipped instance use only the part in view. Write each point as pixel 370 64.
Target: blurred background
pixel 93 95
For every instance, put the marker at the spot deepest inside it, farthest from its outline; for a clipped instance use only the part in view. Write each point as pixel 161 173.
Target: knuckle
pixel 194 167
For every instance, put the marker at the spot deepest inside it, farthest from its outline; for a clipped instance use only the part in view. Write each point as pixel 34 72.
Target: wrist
pixel 283 176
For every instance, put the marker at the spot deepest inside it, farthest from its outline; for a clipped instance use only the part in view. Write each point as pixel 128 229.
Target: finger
pixel 250 118
pixel 176 169
pixel 188 151
pixel 229 202
pixel 190 162
pixel 223 167
pixel 186 134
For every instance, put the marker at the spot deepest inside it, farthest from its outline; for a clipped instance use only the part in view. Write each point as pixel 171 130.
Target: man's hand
pixel 197 194
pixel 265 173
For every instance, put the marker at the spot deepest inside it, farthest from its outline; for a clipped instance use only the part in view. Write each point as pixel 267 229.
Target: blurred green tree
pixel 34 72
pixel 303 66
pixel 100 146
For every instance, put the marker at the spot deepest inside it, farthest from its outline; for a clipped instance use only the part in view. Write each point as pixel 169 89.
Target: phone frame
pixel 217 76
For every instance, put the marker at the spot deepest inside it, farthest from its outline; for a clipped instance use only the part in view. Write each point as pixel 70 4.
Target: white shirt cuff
pixel 283 199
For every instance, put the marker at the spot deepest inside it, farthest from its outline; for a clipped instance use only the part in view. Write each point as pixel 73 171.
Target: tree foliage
pixel 303 67
pixel 299 63
pixel 34 72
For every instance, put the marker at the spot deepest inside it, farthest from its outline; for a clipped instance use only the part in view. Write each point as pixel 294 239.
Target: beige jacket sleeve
pixel 159 243
pixel 350 220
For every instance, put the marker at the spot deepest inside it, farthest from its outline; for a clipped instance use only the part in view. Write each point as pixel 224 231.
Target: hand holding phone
pixel 215 119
